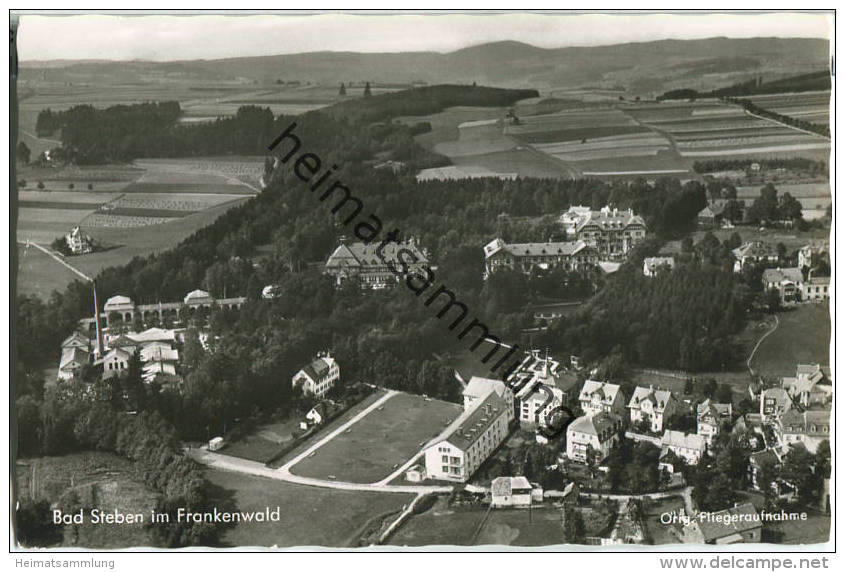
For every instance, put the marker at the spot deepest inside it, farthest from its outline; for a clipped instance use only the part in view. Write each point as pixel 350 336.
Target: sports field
pixel 386 438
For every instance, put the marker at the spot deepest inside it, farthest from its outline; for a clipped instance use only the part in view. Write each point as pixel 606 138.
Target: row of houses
pixel 113 353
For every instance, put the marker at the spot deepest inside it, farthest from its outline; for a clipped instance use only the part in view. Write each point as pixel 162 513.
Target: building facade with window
pixel 526 256
pixel 611 232
pixel 468 441
pixel 318 377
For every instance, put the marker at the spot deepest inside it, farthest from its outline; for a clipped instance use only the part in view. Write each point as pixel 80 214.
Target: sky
pixel 185 37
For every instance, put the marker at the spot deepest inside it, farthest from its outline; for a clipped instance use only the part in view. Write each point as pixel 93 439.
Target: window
pixel 445 458
pixel 445 469
pixel 456 460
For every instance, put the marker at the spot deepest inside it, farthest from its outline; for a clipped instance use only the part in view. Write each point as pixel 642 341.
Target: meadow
pixel 386 438
pixel 802 336
pixel 310 516
pixel 132 210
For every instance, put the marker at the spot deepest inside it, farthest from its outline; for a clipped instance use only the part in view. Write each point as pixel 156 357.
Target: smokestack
pixel 97 323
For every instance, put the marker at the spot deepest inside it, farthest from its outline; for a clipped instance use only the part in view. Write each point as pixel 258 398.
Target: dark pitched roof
pixel 472 423
pixel 735 520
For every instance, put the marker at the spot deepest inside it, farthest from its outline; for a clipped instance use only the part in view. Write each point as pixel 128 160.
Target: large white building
pixel 710 417
pixel 598 433
pixel 317 377
pixel 458 452
pixel 611 232
pixel 368 263
pixel 809 428
pixel 652 406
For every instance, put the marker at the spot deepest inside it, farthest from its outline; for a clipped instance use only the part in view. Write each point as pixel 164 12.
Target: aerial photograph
pixel 453 281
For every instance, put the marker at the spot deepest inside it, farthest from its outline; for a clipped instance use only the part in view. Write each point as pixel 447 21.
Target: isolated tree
pixel 342 89
pixel 90 187
pixel 70 186
pixel 23 153
pixel 367 92
pixel 22 183
pixel 40 185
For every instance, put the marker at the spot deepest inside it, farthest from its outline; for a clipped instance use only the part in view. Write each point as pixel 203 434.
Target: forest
pixel 815 81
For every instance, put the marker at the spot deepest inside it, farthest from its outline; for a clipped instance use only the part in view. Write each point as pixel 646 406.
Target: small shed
pixel 510 491
pixel 415 474
pixel 215 444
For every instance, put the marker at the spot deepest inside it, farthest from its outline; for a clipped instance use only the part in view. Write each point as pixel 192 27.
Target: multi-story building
pixel 687 446
pixel 601 397
pixel 479 387
pixel 787 281
pixel 526 256
pixel 774 402
pixel 368 263
pixel 536 407
pixel 612 232
pixel 652 406
pixel 458 452
pixel 598 433
pixel 710 417
pixel 317 377
pixel 808 427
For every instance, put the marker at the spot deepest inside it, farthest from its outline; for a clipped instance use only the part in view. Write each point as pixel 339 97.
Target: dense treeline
pixel 791 164
pixel 682 319
pixel 816 81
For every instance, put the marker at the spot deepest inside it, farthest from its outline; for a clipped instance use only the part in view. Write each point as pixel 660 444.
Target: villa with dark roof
pixel 809 428
pixel 740 524
pixel 368 263
pixel 317 377
pixel 598 433
pixel 710 417
pixel 652 406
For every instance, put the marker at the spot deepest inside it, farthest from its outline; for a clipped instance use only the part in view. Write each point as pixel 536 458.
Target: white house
pixel 690 447
pixel 317 377
pixel 654 265
pixel 710 417
pixel 116 361
pixel 458 452
pixel 809 428
pixel 598 432
pixel 809 387
pixel 601 397
pixel 73 358
pixel 774 402
pixel 510 491
pixel 653 406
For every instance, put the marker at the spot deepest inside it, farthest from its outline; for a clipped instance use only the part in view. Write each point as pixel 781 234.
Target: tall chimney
pixel 97 323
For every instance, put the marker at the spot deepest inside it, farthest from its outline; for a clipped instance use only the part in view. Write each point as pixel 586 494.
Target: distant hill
pixel 642 67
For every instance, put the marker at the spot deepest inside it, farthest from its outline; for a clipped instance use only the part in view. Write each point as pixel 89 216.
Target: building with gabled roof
pixel 115 362
pixel 739 524
pixel 598 433
pixel 78 242
pixel 467 442
pixel 809 428
pixel 810 387
pixel 774 402
pixel 601 397
pixel 688 446
pixel 479 387
pixel 759 462
pixel 526 256
pixel 710 417
pixel 510 491
pixel 369 262
pixel 652 406
pixel 317 377
pixel 72 360
pixel 789 282
pixel 77 340
pixel 153 369
pixel 611 232
pixel 753 252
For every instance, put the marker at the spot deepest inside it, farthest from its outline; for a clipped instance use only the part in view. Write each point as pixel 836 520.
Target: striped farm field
pixel 171 201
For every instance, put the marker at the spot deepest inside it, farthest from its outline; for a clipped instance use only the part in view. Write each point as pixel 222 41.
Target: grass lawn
pixel 803 336
pixel 101 480
pixel 310 516
pixel 441 525
pixel 331 426
pixel 40 274
pixel 263 443
pixel 386 437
